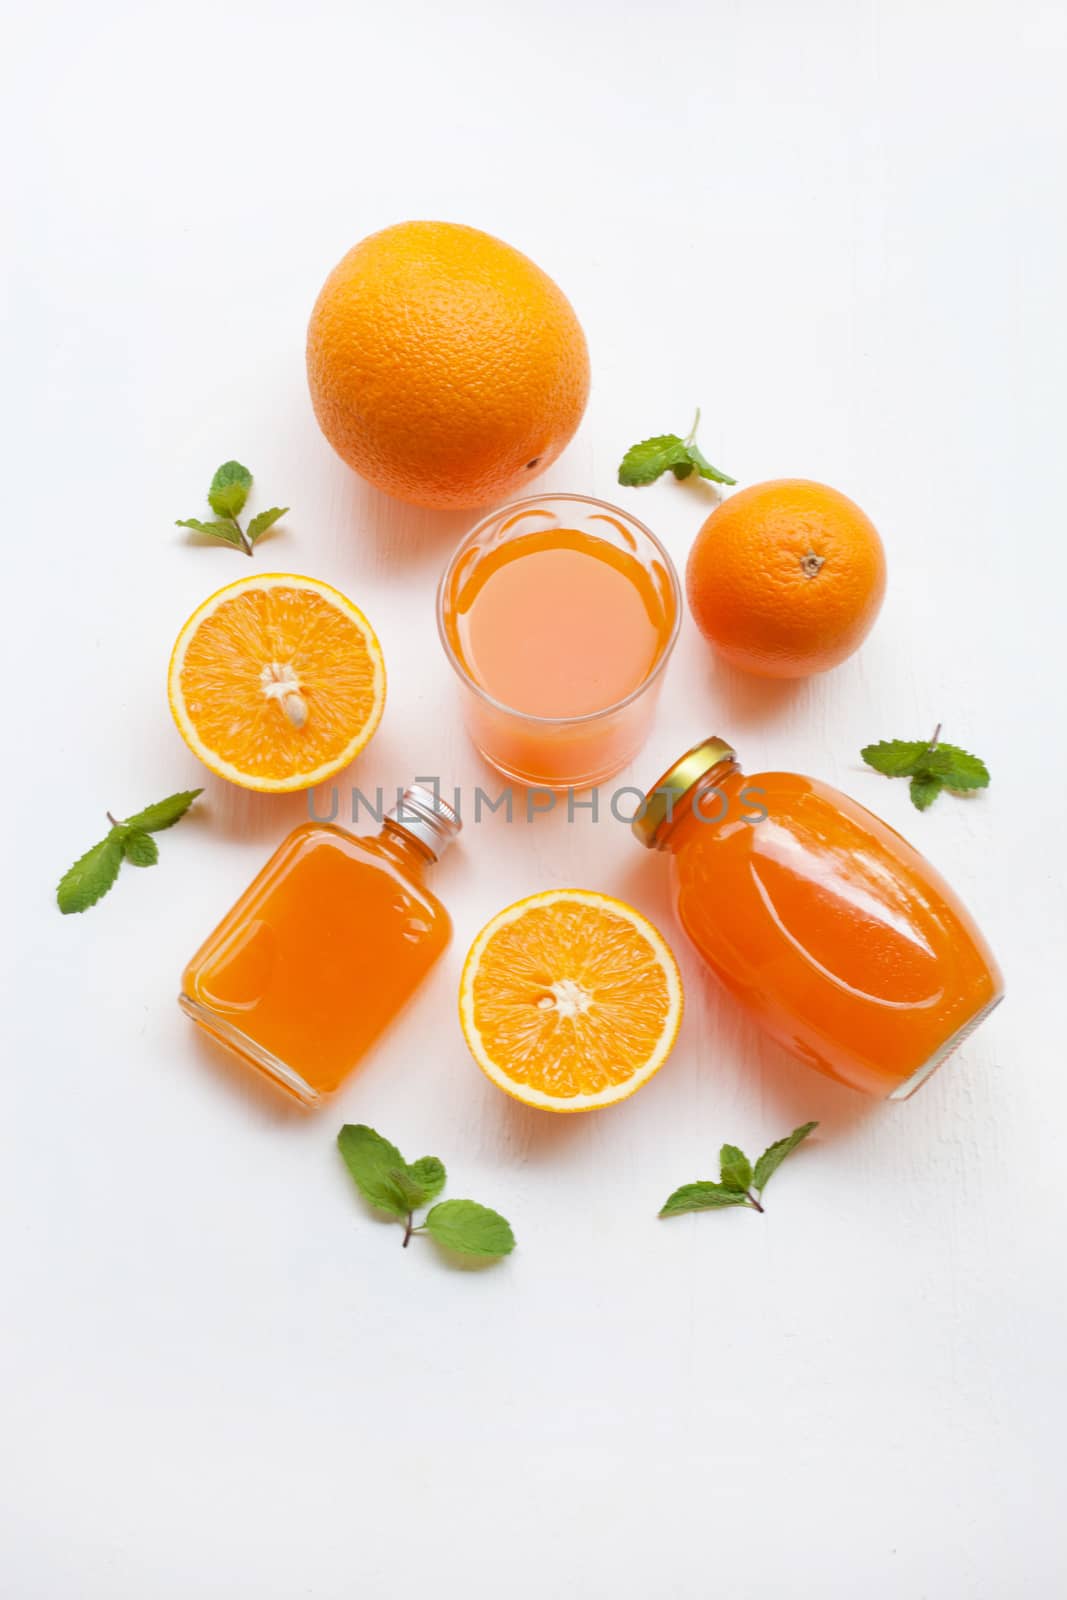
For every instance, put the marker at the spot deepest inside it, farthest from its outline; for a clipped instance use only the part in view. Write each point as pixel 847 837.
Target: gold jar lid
pixel 660 802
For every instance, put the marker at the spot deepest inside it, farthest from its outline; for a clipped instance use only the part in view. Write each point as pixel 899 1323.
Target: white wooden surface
pixel 839 228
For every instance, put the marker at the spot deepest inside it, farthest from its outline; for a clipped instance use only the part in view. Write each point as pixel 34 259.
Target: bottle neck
pixel 402 847
pixel 706 806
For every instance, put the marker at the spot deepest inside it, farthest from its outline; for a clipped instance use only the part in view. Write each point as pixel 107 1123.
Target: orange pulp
pixel 318 955
pixel 832 931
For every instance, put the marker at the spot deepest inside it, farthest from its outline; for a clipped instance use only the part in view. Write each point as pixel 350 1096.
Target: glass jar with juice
pixel 559 614
pixel 325 946
pixel 830 929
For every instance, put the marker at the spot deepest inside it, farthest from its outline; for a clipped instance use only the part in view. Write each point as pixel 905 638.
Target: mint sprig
pixel 227 496
pixel 94 873
pixel 400 1188
pixel 740 1184
pixel 668 452
pixel 931 766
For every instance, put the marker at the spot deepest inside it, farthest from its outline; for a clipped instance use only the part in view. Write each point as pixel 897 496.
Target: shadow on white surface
pixel 529 1134
pixel 798 1094
pixel 233 1079
pixel 244 814
pixel 744 701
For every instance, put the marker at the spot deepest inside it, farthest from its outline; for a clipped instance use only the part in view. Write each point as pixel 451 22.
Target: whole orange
pixel 444 366
pixel 786 578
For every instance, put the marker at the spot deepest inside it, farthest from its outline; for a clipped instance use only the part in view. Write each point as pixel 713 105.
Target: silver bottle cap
pixel 427 817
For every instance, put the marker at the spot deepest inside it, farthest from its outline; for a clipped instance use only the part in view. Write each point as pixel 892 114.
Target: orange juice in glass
pixel 559 614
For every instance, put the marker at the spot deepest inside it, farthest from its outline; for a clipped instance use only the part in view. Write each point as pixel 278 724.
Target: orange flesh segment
pixel 572 999
pixel 258 637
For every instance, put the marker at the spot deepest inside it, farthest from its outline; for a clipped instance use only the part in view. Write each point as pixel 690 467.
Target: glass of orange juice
pixel 559 614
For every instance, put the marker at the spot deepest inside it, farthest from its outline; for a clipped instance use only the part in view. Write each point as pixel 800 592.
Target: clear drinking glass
pixel 570 751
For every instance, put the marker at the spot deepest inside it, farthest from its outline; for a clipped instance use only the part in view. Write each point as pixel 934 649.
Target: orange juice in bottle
pixel 325 946
pixel 829 928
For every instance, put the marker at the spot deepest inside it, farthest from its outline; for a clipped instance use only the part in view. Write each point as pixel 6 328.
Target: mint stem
pixel 247 548
pixel 936 737
pixel 753 1202
pixel 693 430
pixel 410 1225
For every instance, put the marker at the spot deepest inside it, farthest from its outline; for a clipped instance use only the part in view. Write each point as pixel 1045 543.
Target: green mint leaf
pixel 956 768
pixel 92 875
pixel 373 1163
pixel 428 1174
pixel 266 519
pixel 775 1154
pixel 645 462
pixel 218 530
pixel 229 489
pixel 924 789
pixel 410 1191
pixel 421 1182
pixel 897 758
pixel 735 1169
pixel 140 849
pixel 705 468
pixel 165 813
pixel 471 1229
pixel 930 765
pixel 702 1197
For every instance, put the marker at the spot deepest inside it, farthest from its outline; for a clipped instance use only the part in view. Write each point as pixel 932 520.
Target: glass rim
pixel 471 683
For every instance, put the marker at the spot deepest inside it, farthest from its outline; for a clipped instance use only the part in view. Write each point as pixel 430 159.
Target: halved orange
pixel 276 682
pixel 570 1000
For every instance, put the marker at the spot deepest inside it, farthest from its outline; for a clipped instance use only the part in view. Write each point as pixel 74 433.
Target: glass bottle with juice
pixel 829 928
pixel 325 946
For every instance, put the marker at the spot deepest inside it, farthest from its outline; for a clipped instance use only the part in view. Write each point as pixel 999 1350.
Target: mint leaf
pixel 956 768
pixel 735 1169
pixel 406 1187
pixel 738 1178
pixel 373 1163
pixel 385 1179
pixel 227 531
pixel 705 468
pixel 647 461
pixel 265 519
pixel 924 789
pixel 428 1175
pixel 702 1197
pixel 775 1154
pixel 897 758
pixel 228 493
pixel 165 813
pixel 229 489
pixel 92 875
pixel 471 1229
pixel 421 1182
pixel 931 766
pixel 140 849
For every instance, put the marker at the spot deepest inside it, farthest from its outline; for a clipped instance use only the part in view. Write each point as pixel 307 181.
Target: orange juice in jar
pixel 325 946
pixel 558 614
pixel 829 928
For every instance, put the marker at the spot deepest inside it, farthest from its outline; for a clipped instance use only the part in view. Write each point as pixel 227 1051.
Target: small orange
pixel 444 366
pixel 786 578
pixel 276 682
pixel 570 1000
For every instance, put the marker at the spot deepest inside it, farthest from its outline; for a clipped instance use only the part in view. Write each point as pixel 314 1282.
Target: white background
pixel 841 230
